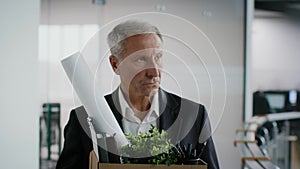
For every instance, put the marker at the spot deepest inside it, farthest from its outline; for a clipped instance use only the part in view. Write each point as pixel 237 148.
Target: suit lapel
pixel 114 104
pixel 169 108
pixel 170 120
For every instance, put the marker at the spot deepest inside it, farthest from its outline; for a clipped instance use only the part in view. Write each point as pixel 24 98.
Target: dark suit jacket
pixel 184 120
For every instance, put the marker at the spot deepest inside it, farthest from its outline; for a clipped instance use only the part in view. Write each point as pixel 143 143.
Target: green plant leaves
pixel 153 145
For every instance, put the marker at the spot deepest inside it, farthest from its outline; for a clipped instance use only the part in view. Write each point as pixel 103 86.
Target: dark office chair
pixel 261 105
pixel 273 128
pixel 264 132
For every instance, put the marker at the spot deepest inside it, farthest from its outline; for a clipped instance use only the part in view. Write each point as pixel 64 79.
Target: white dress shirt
pixel 131 123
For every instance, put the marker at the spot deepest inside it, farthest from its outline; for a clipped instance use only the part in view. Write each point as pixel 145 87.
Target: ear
pixel 114 62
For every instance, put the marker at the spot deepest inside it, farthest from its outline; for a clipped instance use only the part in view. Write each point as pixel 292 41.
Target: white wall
pixel 221 20
pixel 275 51
pixel 18 84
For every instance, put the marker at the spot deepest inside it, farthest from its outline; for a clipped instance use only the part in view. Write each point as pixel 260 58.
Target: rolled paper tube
pixel 93 100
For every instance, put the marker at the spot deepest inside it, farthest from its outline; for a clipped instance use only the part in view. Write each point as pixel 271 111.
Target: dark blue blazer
pixel 184 120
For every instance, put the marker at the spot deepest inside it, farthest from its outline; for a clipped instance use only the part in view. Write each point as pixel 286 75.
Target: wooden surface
pixel 94 164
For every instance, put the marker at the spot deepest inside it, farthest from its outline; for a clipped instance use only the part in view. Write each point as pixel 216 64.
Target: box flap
pixel 93 164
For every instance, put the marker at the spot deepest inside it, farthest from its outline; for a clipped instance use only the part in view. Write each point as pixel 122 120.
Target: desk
pixel 283 116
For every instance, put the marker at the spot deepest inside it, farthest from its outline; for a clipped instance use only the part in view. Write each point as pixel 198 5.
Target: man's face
pixel 140 65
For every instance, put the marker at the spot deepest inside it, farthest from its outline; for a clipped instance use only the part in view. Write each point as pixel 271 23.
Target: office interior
pixel 257 43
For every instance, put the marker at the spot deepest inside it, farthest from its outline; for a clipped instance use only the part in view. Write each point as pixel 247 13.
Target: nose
pixel 152 72
pixel 152 69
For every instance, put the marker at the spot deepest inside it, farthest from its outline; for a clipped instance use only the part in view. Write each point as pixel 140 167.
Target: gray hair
pixel 116 38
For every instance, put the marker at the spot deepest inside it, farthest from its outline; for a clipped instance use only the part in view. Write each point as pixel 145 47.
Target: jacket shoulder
pixel 181 100
pixel 78 117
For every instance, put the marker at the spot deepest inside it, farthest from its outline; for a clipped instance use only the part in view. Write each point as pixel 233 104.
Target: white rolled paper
pixel 94 102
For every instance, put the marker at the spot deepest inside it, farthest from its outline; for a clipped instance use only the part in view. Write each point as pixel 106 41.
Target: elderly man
pixel 139 102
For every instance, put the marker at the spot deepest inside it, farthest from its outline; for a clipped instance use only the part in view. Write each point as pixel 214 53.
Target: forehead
pixel 141 42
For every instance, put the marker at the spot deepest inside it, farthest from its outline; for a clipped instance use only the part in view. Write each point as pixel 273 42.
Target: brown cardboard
pixel 95 164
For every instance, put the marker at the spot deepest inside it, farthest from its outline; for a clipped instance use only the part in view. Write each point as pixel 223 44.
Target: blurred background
pixel 257 54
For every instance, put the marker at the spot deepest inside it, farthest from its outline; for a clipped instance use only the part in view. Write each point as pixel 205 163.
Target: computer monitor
pixel 273 101
pixel 283 101
pixel 277 101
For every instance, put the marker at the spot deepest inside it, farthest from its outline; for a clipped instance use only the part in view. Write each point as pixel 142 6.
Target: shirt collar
pixel 124 104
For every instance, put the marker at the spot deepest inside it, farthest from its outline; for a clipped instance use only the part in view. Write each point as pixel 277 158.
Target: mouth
pixel 152 83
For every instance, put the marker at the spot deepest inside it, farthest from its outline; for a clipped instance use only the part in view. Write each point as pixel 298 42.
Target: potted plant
pixel 152 147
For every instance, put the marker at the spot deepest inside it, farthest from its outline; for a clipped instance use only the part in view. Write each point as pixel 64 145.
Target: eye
pixel 141 59
pixel 158 57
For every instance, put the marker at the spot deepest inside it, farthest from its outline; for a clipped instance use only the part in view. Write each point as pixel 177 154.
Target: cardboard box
pixel 95 164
